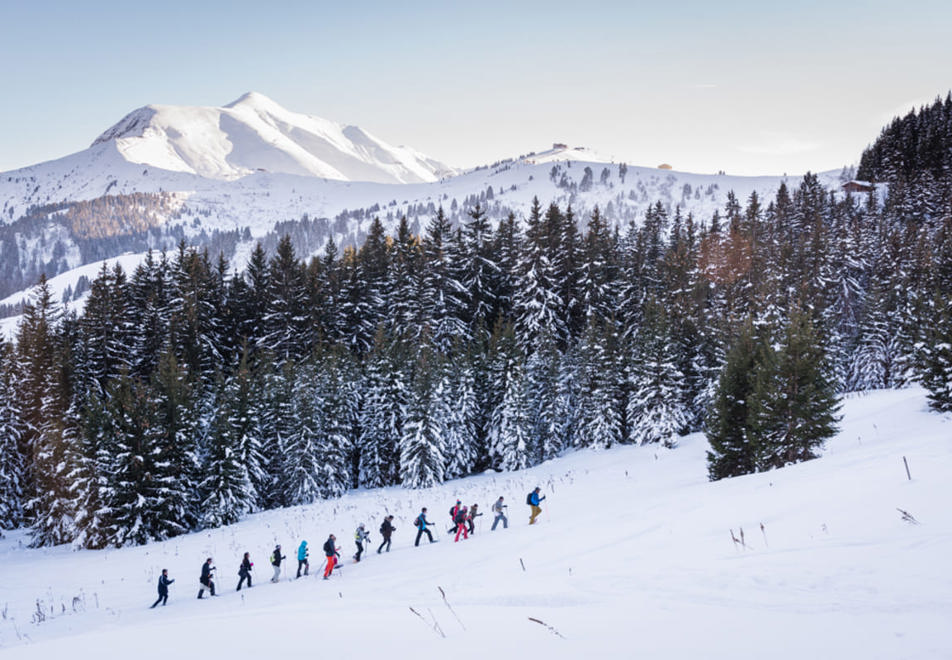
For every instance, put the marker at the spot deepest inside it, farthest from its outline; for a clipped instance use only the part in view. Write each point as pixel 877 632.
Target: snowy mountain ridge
pixel 167 173
pixel 255 134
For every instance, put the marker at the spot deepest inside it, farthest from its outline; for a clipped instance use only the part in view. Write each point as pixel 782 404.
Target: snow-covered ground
pixel 633 558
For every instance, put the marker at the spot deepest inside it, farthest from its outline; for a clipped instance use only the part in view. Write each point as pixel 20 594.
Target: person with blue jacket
pixel 533 501
pixel 302 559
pixel 421 525
pixel 164 583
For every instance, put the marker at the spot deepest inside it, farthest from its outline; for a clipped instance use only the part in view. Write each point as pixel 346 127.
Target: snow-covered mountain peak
pixel 256 101
pixel 133 124
pixel 255 134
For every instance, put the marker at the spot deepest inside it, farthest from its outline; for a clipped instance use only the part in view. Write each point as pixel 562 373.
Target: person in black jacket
pixel 386 529
pixel 461 528
pixel 330 551
pixel 164 583
pixel 454 511
pixel 276 558
pixel 206 579
pixel 244 572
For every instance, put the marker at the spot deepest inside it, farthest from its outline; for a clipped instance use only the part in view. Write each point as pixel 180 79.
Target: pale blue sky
pixel 747 87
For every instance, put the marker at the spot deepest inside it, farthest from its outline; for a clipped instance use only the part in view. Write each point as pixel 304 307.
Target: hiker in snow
pixel 454 510
pixel 276 558
pixel 164 583
pixel 386 529
pixel 421 524
pixel 206 580
pixel 330 551
pixel 533 501
pixel 244 571
pixel 461 517
pixel 360 535
pixel 302 559
pixel 470 519
pixel 500 514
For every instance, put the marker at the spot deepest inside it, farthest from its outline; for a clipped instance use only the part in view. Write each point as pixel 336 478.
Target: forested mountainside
pixel 188 395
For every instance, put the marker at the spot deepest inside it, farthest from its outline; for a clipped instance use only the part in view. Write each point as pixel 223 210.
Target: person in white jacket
pixel 500 514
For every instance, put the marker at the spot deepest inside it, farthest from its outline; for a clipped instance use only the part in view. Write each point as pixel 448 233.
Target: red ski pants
pixel 331 562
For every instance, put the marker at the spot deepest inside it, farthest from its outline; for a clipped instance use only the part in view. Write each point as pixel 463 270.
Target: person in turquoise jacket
pixel 302 558
pixel 421 522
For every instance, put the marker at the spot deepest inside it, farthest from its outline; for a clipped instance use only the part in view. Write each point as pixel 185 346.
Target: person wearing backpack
pixel 331 552
pixel 360 535
pixel 386 529
pixel 533 500
pixel 454 510
pixel 164 583
pixel 244 571
pixel 421 524
pixel 302 559
pixel 461 516
pixel 499 514
pixel 276 558
pixel 471 518
pixel 206 580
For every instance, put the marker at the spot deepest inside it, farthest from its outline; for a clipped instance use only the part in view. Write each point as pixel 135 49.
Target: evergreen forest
pixel 189 394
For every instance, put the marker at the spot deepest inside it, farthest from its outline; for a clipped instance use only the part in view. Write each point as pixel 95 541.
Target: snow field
pixel 632 558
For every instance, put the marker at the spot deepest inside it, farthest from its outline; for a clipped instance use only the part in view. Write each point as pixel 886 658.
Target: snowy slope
pixel 633 558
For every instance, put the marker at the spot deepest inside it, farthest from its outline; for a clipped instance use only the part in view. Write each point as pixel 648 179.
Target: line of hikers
pixel 462 517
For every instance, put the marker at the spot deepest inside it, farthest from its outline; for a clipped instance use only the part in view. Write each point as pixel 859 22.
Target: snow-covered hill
pixel 633 558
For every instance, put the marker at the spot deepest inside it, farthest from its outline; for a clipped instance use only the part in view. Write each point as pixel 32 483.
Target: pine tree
pixel 226 489
pixel 478 272
pixel 422 446
pixel 732 450
pixel 339 404
pixel 277 395
pixel 935 355
pixel 792 407
pixel 599 421
pixel 12 461
pixel 461 415
pixel 301 448
pixel 440 296
pixel 543 390
pixel 383 414
pixel 510 431
pixel 177 461
pixel 657 406
pixel 134 490
pixel 286 318
pixel 539 308
pixel 404 311
pixel 149 314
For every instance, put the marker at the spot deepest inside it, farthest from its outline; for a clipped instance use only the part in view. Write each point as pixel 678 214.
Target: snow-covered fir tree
pixel 657 406
pixel 510 431
pixel 423 443
pixel 12 460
